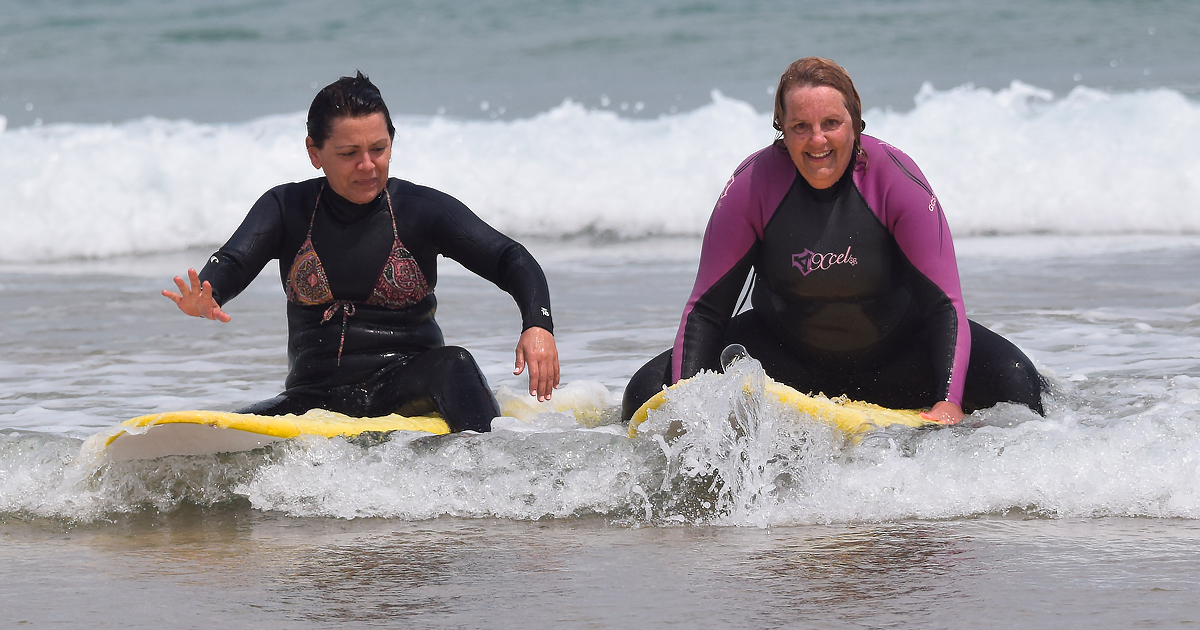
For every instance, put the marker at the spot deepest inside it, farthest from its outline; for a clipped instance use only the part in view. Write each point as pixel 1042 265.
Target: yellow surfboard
pixel 211 432
pixel 849 416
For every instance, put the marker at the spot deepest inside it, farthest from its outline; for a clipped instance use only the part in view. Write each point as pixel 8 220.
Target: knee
pixel 450 360
pixel 646 382
pixel 456 354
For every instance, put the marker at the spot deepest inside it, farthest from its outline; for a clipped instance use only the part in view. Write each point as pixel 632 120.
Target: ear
pixel 313 156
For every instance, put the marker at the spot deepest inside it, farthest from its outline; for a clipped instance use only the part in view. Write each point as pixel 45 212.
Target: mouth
pixel 820 156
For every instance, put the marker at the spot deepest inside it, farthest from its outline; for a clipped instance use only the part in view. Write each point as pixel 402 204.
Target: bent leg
pixel 1000 372
pixel 446 380
pixel 283 405
pixel 746 329
pixel 646 382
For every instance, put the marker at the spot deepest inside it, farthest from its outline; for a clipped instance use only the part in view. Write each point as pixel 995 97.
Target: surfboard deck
pixel 851 417
pixel 199 432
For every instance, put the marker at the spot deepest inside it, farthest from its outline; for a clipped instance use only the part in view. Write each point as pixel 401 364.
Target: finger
pixel 195 280
pixel 221 315
pixel 519 366
pixel 543 382
pixel 174 296
pixel 183 288
pixel 534 383
pixel 550 369
pixel 557 369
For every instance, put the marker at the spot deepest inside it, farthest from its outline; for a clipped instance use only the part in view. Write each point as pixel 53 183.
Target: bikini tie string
pixel 347 309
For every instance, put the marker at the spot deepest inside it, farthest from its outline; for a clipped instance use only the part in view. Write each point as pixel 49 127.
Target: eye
pixel 831 124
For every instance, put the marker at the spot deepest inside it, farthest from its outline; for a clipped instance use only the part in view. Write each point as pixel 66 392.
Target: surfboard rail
pixel 202 432
pixel 852 417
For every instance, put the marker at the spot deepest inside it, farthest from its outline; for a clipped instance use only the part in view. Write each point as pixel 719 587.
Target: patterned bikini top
pixel 400 283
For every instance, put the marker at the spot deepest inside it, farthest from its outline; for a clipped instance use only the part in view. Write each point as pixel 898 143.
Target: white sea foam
pixel 1015 161
pixel 741 460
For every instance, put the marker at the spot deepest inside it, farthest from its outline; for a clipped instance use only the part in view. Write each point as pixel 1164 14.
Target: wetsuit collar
pixel 828 194
pixel 345 211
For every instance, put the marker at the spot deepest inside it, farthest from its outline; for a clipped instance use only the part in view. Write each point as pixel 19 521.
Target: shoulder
pixel 294 195
pixel 767 167
pixel 885 163
pixel 759 182
pixel 406 193
pixel 889 180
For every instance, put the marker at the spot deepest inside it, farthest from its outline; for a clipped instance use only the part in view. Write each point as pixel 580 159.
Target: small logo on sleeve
pixel 808 261
pixel 545 311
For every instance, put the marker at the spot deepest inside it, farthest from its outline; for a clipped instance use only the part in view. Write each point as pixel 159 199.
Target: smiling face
pixel 355 156
pixel 818 133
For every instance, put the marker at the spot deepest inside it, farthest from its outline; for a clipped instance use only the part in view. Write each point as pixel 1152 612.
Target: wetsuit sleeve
pixel 257 240
pixel 461 235
pixel 730 243
pixel 904 201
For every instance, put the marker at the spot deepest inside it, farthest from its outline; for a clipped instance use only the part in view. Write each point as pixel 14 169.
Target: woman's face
pixel 355 156
pixel 818 133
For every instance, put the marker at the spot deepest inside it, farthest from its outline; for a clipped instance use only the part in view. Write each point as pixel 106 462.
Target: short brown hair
pixel 348 97
pixel 818 71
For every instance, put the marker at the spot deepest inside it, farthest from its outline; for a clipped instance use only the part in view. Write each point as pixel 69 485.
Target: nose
pixel 365 162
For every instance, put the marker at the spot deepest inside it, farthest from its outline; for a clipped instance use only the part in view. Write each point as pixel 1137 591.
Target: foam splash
pixel 1015 161
pixel 717 453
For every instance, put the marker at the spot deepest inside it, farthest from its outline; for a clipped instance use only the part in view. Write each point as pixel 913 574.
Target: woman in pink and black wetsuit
pixel 856 287
pixel 357 255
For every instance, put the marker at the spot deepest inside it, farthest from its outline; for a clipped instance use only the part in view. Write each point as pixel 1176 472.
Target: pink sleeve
pixel 897 192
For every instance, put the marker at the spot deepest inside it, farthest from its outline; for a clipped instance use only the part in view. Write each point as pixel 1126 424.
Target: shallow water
pixel 237 566
pixel 1009 519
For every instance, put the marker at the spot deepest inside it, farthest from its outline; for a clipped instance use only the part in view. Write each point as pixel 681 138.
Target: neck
pixel 346 211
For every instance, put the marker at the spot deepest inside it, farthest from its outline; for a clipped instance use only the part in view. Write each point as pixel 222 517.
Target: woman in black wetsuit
pixel 357 256
pixel 856 287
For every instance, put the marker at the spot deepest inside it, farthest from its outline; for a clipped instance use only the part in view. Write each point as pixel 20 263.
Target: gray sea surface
pixel 1085 518
pixel 227 62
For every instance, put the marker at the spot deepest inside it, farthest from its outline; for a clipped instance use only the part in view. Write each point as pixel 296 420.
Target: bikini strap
pixel 316 205
pixel 388 196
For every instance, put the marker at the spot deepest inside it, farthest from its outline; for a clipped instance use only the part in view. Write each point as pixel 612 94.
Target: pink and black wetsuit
pixel 856 290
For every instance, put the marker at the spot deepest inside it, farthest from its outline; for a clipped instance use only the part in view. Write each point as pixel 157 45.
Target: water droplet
pixel 484 105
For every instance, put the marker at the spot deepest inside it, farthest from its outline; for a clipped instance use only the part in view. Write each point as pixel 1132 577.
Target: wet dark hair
pixel 814 72
pixel 348 97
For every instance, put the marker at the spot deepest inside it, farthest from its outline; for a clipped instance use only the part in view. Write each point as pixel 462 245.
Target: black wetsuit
pixel 359 350
pixel 856 291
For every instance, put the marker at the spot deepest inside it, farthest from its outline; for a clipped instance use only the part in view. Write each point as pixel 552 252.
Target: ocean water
pixel 1061 140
